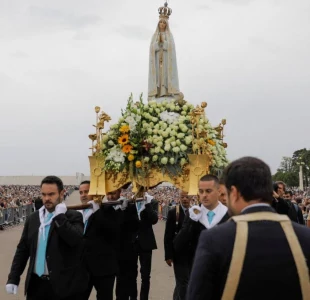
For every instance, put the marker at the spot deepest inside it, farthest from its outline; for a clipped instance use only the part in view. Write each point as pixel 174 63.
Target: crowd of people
pixel 17 196
pixel 209 240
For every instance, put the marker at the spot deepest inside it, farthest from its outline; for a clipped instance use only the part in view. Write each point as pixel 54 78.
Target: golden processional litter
pixel 167 139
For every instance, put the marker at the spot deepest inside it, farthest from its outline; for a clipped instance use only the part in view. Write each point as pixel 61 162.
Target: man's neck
pixel 252 202
pixel 212 207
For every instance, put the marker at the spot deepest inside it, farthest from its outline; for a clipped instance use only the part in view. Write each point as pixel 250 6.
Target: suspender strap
pixel 177 214
pixel 237 260
pixel 299 258
pixel 239 252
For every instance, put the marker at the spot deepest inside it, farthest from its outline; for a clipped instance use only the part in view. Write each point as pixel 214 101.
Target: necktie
pixel 86 221
pixel 41 253
pixel 210 216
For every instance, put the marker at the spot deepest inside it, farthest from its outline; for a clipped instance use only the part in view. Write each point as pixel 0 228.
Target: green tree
pixel 302 155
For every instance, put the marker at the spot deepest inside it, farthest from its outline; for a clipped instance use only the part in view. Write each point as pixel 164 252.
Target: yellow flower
pixel 123 140
pixel 127 148
pixel 124 129
pixel 131 157
pixel 138 164
pixel 211 142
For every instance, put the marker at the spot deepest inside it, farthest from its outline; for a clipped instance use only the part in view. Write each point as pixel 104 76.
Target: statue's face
pixel 162 25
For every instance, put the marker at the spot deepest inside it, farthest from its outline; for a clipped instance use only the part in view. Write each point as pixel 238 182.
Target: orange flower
pixel 123 140
pixel 131 157
pixel 211 142
pixel 138 164
pixel 124 129
pixel 127 148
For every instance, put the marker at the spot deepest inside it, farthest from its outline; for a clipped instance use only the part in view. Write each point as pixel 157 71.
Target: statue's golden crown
pixel 164 11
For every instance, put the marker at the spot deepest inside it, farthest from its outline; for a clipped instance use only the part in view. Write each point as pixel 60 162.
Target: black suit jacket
pixel 171 231
pixel 138 231
pixel 269 270
pixel 102 238
pixel 63 253
pixel 187 238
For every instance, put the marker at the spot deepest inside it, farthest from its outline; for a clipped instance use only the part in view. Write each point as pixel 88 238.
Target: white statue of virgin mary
pixel 163 70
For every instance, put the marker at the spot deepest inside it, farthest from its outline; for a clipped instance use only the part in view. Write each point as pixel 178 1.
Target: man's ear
pixel 234 194
pixel 62 195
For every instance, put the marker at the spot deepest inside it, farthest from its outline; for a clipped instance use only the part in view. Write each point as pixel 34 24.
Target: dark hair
pixel 53 180
pixel 210 177
pixel 85 182
pixel 277 185
pixel 251 176
pixel 221 181
pixel 289 192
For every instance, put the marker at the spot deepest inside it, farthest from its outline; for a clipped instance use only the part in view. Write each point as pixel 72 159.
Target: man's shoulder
pixel 33 215
pixel 302 231
pixel 73 214
pixel 220 233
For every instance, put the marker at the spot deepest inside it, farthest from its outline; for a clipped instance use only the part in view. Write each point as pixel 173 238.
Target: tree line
pixel 289 168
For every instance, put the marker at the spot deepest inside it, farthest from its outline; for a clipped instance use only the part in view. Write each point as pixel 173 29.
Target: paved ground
pixel 162 280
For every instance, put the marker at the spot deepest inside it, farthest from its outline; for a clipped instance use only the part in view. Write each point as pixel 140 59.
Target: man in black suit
pixel 137 243
pixel 53 240
pixel 180 262
pixel 288 197
pixel 101 237
pixel 257 255
pixel 210 213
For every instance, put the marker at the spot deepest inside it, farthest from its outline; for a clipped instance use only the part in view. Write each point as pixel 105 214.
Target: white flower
pixel 154 158
pixel 169 117
pixel 110 143
pixel 180 135
pixel 173 133
pixel 164 160
pixel 176 149
pixel 173 144
pixel 167 147
pixel 157 150
pixel 131 122
pixel 183 162
pixel 171 160
pixel 146 159
pixel 183 148
pixel 165 134
pixel 116 155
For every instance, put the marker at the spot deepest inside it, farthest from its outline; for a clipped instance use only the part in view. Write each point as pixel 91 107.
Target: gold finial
pixel 204 104
pixel 93 137
pixel 200 144
pixel 100 120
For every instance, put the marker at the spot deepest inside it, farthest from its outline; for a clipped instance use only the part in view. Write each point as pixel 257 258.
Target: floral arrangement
pixel 157 135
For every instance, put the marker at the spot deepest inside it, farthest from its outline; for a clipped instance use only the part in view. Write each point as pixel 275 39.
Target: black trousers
pixel 104 286
pixel 126 286
pixel 40 289
pixel 181 273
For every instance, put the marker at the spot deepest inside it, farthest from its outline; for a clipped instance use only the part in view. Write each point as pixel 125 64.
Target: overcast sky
pixel 249 59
